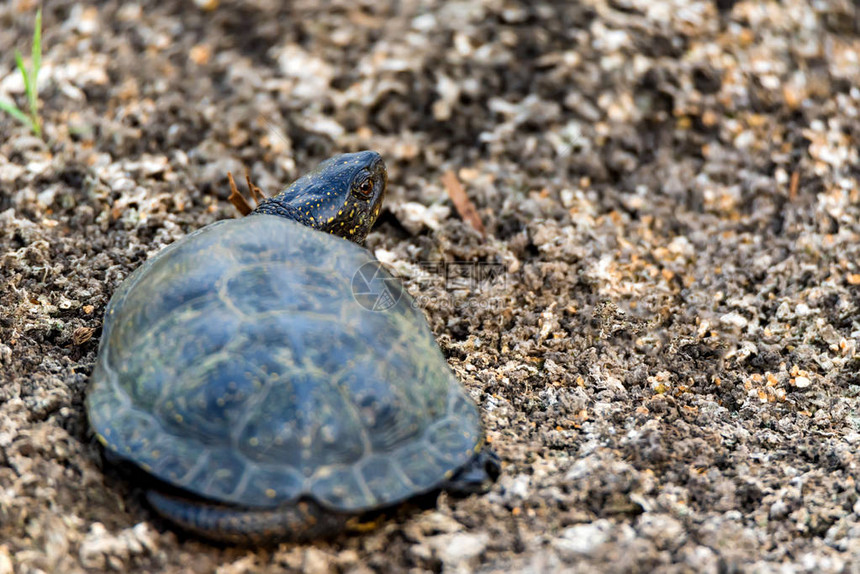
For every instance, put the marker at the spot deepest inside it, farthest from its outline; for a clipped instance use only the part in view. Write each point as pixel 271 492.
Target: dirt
pixel 667 361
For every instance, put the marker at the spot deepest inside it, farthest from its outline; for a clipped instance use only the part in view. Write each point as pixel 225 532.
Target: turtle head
pixel 342 196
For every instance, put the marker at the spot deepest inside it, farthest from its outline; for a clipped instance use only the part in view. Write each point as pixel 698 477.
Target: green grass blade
pixel 35 65
pixel 19 61
pixel 30 78
pixel 13 111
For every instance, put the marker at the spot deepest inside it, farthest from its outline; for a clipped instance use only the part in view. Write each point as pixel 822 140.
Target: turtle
pixel 272 381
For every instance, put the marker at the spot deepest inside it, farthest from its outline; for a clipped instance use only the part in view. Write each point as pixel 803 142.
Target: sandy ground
pixel 668 364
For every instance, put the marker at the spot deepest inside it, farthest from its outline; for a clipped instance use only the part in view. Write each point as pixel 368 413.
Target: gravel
pixel 668 362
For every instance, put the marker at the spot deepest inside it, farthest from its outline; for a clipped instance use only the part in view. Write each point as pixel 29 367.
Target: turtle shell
pixel 257 361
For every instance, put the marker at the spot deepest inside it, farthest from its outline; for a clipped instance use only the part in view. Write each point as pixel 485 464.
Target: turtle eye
pixel 364 188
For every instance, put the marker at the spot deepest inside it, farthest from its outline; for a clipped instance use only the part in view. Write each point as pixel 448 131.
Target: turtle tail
pixel 303 520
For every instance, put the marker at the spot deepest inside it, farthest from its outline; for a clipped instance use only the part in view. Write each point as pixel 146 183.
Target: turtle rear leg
pixel 303 520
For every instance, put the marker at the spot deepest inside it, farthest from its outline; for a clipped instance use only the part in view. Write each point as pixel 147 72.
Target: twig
pixel 462 203
pixel 792 188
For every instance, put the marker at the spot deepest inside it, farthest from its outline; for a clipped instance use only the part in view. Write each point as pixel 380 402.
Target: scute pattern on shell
pixel 240 367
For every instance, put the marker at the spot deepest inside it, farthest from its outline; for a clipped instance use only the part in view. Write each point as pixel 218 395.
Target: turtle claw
pixel 256 193
pixel 237 199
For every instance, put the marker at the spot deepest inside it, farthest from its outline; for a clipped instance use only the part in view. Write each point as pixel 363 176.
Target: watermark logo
pixel 376 290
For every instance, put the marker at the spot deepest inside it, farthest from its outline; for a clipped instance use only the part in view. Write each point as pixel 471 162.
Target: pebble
pixel 316 562
pixel 734 320
pixel 666 532
pixel 6 566
pixel 101 549
pixel 583 539
pixel 416 216
pixel 459 547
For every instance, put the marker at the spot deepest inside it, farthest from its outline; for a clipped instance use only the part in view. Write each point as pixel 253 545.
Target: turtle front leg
pixel 477 475
pixel 303 520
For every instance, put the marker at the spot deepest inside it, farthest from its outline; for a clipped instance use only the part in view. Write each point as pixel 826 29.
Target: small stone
pixel 292 558
pixel 517 486
pixel 84 20
pixel 101 549
pixel 458 548
pixel 778 510
pixel 244 565
pixel 579 470
pixel 583 539
pixel 416 216
pixel 316 562
pixel 207 5
pixel 700 559
pixel 802 382
pixel 802 310
pixel 432 523
pixel 734 320
pixel 9 172
pixel 5 561
pixel 665 531
pixel 200 54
